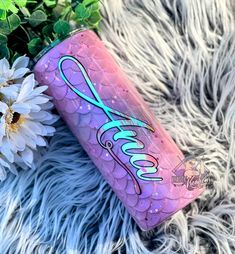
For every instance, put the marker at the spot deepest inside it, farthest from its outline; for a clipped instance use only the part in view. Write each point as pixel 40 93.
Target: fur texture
pixel 181 56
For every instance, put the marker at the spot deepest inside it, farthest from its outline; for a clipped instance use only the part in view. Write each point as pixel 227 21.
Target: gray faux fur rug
pixel 181 56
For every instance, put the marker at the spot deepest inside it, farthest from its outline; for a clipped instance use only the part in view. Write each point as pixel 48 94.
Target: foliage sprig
pixel 27 26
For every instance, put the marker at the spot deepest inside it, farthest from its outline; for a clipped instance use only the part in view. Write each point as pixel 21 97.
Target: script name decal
pixel 145 164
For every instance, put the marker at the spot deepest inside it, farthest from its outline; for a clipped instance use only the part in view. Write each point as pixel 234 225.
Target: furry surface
pixel 181 56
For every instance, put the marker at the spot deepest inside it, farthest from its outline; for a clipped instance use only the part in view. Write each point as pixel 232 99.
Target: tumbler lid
pixel 56 42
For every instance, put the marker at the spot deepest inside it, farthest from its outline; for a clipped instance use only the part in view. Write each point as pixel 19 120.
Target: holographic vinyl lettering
pixel 146 165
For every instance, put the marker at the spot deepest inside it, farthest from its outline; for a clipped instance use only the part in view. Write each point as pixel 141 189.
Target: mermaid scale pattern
pixel 157 200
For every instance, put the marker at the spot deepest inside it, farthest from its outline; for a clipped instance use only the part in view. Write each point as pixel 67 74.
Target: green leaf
pixel 82 12
pixel 25 12
pixel 47 30
pixel 9 5
pixel 37 18
pixel 4 51
pixel 76 1
pixel 21 3
pixel 4 27
pixel 50 3
pixel 5 4
pixel 3 39
pixel 90 2
pixel 35 46
pixel 14 21
pixel 94 7
pixel 95 18
pixel 3 15
pixel 10 24
pixel 13 9
pixel 61 28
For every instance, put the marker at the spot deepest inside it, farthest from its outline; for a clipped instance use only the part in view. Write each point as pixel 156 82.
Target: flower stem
pixel 26 32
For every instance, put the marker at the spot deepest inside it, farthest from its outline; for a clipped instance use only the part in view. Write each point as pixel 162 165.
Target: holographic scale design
pixel 136 156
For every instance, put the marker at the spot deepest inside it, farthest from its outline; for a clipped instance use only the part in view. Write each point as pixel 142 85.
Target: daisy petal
pixel 18 140
pixel 20 73
pixel 3 80
pixel 21 62
pixel 21 108
pixel 2 129
pixel 39 100
pixel 27 156
pixel 6 150
pixel 4 65
pixel 50 130
pixel 27 87
pixel 3 107
pixel 41 141
pixel 29 140
pixel 40 89
pixel 10 92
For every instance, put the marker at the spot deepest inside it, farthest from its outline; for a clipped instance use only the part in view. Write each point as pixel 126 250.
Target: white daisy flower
pixel 10 77
pixel 25 122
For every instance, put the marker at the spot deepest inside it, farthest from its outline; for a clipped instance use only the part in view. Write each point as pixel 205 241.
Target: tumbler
pixel 121 135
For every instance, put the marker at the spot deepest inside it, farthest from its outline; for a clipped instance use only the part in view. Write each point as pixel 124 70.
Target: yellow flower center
pixel 13 121
pixel 7 83
pixel 4 85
